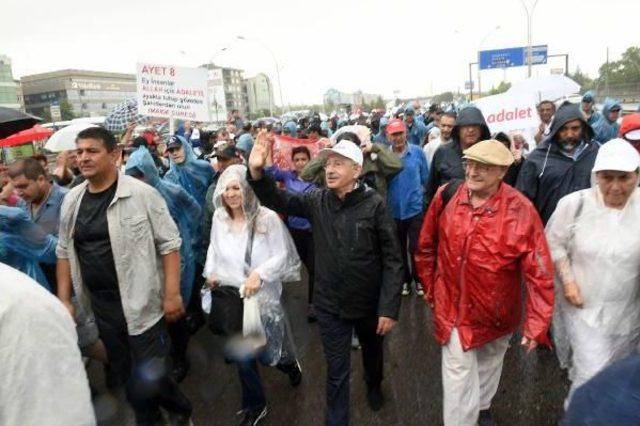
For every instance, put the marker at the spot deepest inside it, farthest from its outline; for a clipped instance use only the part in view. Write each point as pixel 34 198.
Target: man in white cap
pixel 477 244
pixel 358 266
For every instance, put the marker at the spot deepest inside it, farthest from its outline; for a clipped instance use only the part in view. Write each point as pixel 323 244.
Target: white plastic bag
pixel 252 328
pixel 205 294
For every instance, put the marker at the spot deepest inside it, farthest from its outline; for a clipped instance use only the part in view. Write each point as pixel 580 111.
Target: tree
pixel 442 97
pixel 66 110
pixel 585 82
pixel 502 87
pixel 379 103
pixel 626 70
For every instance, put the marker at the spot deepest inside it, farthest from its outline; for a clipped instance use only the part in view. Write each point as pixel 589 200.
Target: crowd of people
pixel 144 239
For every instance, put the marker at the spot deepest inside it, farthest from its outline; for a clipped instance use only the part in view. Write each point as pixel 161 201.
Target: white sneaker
pixel 419 291
pixel 405 289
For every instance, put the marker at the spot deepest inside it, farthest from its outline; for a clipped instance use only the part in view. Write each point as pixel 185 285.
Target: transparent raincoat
pixel 274 258
pixel 24 244
pixel 599 248
pixel 182 207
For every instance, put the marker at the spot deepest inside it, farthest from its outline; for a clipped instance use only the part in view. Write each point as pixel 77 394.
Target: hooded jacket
pixel 548 174
pixel 595 115
pixel 182 208
pixel 447 160
pixel 604 129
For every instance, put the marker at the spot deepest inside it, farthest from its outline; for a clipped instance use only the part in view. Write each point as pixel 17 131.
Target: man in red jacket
pixel 476 246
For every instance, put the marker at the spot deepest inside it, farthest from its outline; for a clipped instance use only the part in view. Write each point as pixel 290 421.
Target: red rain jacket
pixel 471 263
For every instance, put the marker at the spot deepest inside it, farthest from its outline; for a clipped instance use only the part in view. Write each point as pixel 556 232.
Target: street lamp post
pixel 529 31
pixel 486 36
pixel 275 61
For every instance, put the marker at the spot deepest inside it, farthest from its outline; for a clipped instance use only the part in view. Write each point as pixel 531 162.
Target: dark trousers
pixel 143 361
pixel 408 234
pixel 336 340
pixel 304 244
pixel 179 333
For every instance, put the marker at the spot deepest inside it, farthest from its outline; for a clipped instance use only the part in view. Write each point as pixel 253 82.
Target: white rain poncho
pixel 42 377
pixel 274 258
pixel 600 248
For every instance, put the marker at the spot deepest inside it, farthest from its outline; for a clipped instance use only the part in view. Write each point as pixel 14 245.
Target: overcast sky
pixel 413 47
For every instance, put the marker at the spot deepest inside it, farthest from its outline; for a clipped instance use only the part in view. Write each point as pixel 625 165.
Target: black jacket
pixel 548 175
pixel 358 268
pixel 447 160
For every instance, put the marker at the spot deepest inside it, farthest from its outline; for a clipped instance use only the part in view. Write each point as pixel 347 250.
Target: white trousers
pixel 470 379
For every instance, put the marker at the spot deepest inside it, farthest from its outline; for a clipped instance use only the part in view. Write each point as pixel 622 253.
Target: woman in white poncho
pixel 273 260
pixel 595 243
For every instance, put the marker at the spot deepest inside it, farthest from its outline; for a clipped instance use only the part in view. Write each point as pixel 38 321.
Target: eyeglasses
pixel 479 167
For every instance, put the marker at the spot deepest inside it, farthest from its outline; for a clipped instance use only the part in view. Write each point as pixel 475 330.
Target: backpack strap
pixel 449 191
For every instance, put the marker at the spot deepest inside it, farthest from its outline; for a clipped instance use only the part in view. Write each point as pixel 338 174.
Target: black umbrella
pixel 14 121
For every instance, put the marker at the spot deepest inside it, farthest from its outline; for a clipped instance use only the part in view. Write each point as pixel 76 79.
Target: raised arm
pixel 300 205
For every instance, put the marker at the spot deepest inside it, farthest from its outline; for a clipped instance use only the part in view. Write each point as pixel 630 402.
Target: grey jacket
pixel 141 231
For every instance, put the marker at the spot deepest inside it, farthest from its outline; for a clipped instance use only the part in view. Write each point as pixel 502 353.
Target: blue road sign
pixel 511 57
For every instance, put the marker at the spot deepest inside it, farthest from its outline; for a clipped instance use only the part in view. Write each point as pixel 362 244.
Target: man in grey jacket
pixel 120 248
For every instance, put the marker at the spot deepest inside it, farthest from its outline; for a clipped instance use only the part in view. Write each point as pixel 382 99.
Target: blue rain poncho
pixel 24 244
pixel 193 175
pixel 604 129
pixel 182 207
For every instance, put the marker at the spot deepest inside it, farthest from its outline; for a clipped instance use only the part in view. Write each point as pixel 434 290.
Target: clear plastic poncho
pixel 599 248
pixel 193 175
pixel 274 257
pixel 183 209
pixel 24 244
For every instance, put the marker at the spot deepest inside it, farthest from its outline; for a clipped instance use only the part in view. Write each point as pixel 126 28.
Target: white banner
pixel 509 113
pixel 172 92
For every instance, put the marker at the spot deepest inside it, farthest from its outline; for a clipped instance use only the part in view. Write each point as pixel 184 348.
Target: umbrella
pixel 550 87
pixel 123 115
pixel 13 121
pixel 65 138
pixel 35 133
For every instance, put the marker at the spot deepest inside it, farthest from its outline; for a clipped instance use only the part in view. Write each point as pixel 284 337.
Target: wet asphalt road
pixel 531 390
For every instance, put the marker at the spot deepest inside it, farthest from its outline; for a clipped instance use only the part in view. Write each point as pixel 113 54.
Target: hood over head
pixel 250 203
pixel 470 116
pixel 140 161
pixel 566 113
pixel 609 104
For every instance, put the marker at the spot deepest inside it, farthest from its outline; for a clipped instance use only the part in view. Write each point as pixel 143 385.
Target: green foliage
pixel 66 110
pixel 626 70
pixel 585 82
pixel 442 97
pixel 502 87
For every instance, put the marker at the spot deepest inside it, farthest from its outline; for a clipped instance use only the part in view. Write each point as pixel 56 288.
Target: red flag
pixel 283 145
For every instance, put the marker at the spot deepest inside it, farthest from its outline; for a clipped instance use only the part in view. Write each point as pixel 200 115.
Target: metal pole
pixel 529 33
pixel 479 84
pixel 470 83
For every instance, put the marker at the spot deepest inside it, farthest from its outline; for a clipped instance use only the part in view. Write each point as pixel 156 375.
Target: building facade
pixel 260 96
pixel 10 94
pixel 80 93
pixel 227 91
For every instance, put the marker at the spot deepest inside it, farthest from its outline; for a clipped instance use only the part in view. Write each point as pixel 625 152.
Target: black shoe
pixel 180 370
pixel 485 418
pixel 293 371
pixel 253 417
pixel 375 397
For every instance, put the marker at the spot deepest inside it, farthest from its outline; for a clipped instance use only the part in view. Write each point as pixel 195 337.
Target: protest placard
pixel 508 113
pixel 172 92
pixel 282 146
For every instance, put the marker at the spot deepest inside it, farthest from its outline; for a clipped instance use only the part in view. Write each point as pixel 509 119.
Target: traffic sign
pixel 468 85
pixel 511 57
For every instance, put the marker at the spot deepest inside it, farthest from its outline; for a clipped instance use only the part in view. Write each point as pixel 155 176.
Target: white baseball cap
pixel 619 155
pixel 346 149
